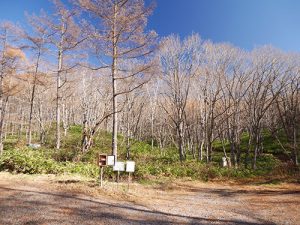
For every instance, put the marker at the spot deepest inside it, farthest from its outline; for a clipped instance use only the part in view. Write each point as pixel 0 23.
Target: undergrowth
pixel 151 163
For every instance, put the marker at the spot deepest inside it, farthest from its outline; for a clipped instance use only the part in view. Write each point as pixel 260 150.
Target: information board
pixel 110 160
pixel 130 166
pixel 119 166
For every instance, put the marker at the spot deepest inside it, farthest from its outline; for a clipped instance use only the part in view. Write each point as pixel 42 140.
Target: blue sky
pixel 244 23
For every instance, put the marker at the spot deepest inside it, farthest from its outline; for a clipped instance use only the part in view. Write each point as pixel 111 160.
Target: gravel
pixel 47 200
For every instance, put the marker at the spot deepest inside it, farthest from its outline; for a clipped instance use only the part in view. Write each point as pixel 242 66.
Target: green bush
pixel 85 169
pixel 63 155
pixel 265 164
pixel 28 161
pixel 37 162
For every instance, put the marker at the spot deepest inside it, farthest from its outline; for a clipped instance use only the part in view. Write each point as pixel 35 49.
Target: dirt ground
pixel 49 199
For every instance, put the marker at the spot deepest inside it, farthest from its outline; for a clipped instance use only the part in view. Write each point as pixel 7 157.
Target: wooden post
pixel 102 162
pixel 118 176
pixel 129 179
pixel 101 176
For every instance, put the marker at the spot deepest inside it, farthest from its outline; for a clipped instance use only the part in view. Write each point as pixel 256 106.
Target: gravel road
pixel 50 201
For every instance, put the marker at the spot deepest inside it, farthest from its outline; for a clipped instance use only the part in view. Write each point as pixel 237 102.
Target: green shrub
pixel 265 164
pixel 85 169
pixel 63 155
pixel 38 162
pixel 28 161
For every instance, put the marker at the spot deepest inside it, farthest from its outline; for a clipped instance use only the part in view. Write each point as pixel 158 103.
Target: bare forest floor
pixel 49 199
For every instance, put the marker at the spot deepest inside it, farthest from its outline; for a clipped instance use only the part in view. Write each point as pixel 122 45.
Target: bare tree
pixel 65 35
pixel 263 91
pixel 287 105
pixel 95 99
pixel 120 36
pixel 235 85
pixel 179 64
pixel 36 44
pixel 10 58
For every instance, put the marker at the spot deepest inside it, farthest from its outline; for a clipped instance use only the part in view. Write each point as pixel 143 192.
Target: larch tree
pixel 11 58
pixel 120 37
pixel 36 43
pixel 65 35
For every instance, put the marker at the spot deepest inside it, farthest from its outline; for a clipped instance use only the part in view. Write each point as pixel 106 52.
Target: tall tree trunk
pixel 127 130
pixel 84 141
pixel 256 149
pixel 180 138
pixel 295 148
pixel 2 102
pixel 58 98
pixel 152 129
pixel 114 89
pixel 200 151
pixel 32 97
pixel 3 111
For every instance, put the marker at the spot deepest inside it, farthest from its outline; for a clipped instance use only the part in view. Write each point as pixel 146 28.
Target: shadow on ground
pixel 231 192
pixel 19 206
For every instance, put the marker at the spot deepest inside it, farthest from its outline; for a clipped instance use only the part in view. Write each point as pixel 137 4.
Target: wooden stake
pixel 129 179
pixel 101 176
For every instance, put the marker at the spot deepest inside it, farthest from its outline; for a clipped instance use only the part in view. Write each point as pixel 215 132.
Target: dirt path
pixel 65 200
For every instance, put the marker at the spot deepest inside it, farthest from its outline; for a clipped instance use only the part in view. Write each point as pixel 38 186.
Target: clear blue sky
pixel 244 23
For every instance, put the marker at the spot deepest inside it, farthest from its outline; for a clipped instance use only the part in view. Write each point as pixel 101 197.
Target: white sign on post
pixel 119 166
pixel 110 160
pixel 130 166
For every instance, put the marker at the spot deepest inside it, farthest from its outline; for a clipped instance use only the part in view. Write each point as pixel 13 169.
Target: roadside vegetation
pixel 152 165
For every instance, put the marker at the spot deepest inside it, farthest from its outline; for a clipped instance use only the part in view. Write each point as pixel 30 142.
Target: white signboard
pixel 110 160
pixel 130 166
pixel 119 166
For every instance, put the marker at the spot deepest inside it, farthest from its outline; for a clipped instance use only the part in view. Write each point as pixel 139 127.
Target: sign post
pixel 130 167
pixel 102 162
pixel 101 176
pixel 119 166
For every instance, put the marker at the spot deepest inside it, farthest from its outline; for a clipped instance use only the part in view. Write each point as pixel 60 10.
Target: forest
pixel 89 77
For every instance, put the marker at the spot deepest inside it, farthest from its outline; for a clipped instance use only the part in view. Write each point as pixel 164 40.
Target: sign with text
pixel 102 160
pixel 110 160
pixel 119 166
pixel 130 166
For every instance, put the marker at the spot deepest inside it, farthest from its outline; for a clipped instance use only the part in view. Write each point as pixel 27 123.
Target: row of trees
pixel 219 92
pixel 96 65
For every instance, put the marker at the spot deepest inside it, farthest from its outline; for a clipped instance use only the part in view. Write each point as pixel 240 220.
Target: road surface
pixel 35 201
